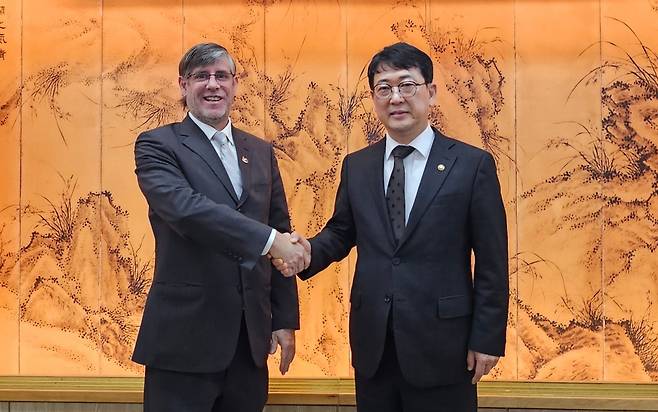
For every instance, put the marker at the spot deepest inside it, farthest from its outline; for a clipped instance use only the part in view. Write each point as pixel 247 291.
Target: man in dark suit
pixel 424 328
pixel 217 207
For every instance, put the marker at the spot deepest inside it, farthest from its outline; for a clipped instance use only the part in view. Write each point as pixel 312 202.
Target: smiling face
pixel 210 101
pixel 403 118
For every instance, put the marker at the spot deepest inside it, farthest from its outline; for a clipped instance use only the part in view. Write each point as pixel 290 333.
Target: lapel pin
pixel 244 159
pixel 441 167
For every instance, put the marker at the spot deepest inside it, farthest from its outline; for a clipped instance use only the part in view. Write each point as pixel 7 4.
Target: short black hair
pixel 401 56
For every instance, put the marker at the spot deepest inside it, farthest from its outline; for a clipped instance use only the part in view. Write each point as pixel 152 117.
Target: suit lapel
pixel 375 181
pixel 432 180
pixel 195 140
pixel 242 149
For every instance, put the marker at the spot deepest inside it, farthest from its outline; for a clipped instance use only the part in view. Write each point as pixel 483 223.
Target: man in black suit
pixel 424 327
pixel 217 207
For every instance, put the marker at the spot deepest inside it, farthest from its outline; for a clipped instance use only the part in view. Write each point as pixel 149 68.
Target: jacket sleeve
pixel 190 213
pixel 488 232
pixel 338 237
pixel 285 303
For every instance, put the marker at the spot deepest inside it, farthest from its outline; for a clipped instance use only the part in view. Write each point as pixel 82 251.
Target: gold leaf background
pixel 562 93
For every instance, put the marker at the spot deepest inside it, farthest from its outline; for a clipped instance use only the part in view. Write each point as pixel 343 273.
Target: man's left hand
pixel 481 362
pixel 286 339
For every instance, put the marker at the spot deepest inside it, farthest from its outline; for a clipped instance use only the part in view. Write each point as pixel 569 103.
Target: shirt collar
pixel 422 143
pixel 210 131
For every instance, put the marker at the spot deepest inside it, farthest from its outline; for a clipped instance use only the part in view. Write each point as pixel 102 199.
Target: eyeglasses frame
pixel 396 89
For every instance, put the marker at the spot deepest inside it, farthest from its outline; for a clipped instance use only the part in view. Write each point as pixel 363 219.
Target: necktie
pixel 395 191
pixel 230 160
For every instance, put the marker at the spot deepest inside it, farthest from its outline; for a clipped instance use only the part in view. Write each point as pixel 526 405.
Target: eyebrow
pixel 209 71
pixel 399 79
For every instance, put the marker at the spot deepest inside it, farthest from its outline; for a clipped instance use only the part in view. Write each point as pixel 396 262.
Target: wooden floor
pixel 114 407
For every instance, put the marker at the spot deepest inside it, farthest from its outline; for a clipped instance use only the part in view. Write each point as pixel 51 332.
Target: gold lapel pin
pixel 244 159
pixel 440 167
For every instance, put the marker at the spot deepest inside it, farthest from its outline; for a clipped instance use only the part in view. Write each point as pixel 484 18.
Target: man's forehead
pixel 221 63
pixel 386 72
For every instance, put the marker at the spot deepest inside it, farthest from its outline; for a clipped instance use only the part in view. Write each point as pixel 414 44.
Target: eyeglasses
pixel 204 77
pixel 405 89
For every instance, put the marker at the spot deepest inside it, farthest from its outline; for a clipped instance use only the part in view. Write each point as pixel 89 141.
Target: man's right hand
pixel 289 256
pixel 285 267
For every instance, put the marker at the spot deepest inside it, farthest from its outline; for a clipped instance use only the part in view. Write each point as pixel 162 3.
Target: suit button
pixel 396 261
pixel 387 299
pixel 240 209
pixel 239 258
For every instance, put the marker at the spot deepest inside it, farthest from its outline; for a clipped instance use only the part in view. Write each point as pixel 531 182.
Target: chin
pixel 400 123
pixel 401 128
pixel 214 117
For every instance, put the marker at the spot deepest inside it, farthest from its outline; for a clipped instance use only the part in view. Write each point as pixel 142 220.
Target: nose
pixel 396 97
pixel 212 82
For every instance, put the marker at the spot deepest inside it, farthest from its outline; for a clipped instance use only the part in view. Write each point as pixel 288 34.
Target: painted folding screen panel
pixel 561 93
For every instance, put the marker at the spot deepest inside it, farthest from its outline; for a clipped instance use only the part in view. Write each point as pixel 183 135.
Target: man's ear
pixel 431 88
pixel 182 83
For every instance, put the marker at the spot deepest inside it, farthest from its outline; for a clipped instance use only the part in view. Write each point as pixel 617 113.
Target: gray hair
pixel 203 54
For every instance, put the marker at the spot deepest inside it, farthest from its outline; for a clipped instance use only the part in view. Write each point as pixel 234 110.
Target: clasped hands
pixel 290 253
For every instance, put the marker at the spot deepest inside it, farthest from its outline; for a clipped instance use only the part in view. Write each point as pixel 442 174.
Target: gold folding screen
pixel 563 93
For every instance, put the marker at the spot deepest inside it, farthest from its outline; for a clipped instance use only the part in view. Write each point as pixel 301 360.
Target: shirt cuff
pixel 268 245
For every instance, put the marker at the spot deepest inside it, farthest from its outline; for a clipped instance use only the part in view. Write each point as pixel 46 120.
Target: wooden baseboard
pixel 531 395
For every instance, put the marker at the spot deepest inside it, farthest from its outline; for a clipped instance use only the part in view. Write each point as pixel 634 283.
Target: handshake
pixel 290 253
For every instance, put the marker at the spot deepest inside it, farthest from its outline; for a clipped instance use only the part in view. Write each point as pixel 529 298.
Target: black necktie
pixel 395 191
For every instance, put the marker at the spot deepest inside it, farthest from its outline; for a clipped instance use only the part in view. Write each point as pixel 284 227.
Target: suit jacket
pixel 209 271
pixel 440 307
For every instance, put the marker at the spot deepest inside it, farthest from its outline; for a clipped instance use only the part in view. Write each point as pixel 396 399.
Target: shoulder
pixel 370 152
pixel 463 149
pixel 251 139
pixel 163 133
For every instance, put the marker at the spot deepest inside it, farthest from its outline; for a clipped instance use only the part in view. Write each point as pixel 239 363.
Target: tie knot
pixel 402 151
pixel 221 138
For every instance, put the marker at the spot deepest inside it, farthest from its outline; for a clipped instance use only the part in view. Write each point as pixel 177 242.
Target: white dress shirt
pixel 210 131
pixel 414 165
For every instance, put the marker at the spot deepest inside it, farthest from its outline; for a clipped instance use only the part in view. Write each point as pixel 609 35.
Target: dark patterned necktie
pixel 395 191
